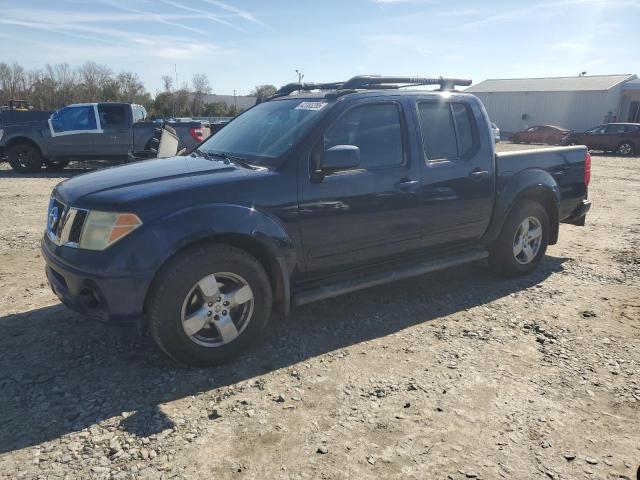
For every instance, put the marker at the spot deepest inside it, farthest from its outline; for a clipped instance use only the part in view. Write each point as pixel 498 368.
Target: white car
pixel 496 132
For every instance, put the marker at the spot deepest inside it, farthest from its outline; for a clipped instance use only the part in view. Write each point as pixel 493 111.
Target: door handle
pixel 478 174
pixel 406 185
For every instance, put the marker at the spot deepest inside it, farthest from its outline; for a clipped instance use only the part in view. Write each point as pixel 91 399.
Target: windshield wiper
pixel 202 153
pixel 233 158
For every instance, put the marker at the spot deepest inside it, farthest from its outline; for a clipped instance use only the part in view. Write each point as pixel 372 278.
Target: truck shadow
pixel 60 373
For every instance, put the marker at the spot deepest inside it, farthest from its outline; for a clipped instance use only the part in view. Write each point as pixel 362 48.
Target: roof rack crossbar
pixel 371 82
pixel 294 87
pixel 375 81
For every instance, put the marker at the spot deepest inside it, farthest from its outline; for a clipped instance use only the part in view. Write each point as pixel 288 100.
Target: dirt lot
pixel 452 375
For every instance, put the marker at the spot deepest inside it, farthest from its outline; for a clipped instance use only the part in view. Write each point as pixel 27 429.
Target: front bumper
pixel 109 298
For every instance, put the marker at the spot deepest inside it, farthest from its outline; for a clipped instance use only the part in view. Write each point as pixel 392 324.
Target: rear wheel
pixel 523 240
pixel 208 304
pixel 24 158
pixel 625 148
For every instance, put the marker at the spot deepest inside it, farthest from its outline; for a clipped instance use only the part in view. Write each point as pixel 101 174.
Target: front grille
pixel 64 224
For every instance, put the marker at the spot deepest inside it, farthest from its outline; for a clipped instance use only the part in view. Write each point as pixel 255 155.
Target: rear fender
pixel 533 184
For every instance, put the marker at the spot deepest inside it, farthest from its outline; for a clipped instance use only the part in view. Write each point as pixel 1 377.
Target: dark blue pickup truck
pixel 321 190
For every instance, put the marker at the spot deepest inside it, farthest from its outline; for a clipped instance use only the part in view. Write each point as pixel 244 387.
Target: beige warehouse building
pixel 577 103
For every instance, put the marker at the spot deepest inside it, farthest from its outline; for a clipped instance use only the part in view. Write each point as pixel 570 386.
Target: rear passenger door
pixel 115 140
pixel 367 212
pixel 457 171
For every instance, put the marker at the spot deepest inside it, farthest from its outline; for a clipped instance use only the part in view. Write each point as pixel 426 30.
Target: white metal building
pixel 577 103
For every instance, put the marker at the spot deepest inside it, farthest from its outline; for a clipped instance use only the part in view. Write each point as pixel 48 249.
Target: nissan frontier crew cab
pixel 321 190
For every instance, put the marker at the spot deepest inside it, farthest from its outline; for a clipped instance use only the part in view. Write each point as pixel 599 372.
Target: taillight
pixel 587 169
pixel 197 134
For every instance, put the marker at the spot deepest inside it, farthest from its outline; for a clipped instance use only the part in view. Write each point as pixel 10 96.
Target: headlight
pixel 103 229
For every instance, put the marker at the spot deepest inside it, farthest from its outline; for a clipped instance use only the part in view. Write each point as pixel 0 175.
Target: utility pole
pixel 234 102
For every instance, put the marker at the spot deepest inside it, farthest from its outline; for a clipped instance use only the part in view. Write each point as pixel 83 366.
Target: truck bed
pixel 562 165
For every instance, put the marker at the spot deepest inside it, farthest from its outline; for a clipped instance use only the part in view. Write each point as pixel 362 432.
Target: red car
pixel 549 134
pixel 622 138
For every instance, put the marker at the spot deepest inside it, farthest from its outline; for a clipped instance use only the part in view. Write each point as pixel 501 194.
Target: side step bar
pixel 379 278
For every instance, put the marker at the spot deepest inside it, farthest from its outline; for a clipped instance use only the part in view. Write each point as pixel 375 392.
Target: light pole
pixel 300 76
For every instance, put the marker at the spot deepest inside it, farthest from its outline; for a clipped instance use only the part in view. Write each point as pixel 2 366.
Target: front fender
pixel 194 224
pixel 534 183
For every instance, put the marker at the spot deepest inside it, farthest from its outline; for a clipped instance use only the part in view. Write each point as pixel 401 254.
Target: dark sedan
pixel 549 134
pixel 621 138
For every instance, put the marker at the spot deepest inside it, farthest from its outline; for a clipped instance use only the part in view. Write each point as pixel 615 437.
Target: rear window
pixel 448 131
pixel 112 115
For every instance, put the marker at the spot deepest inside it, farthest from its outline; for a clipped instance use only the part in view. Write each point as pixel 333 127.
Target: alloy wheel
pixel 527 240
pixel 625 149
pixel 217 309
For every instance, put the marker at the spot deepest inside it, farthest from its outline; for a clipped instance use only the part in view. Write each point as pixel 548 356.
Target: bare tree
pixel 93 77
pixel 201 88
pixel 167 82
pixel 262 92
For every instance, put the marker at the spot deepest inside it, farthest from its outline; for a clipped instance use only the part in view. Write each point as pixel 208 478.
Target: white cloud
pixel 241 13
pixel 201 13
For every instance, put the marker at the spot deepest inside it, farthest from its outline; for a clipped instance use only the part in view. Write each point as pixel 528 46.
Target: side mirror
pixel 340 157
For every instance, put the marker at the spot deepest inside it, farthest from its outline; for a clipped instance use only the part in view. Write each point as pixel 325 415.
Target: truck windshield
pixel 266 131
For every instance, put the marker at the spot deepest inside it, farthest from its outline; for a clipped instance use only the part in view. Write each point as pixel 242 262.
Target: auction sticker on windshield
pixel 311 105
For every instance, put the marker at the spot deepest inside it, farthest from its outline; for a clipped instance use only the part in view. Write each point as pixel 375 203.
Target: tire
pixel 625 148
pixel 503 258
pixel 56 165
pixel 24 158
pixel 185 289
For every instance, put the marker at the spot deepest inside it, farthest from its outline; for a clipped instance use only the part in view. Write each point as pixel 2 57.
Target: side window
pixel 375 129
pixel 74 119
pixel 598 129
pixel 464 127
pixel 138 115
pixel 448 130
pixel 112 115
pixel 438 131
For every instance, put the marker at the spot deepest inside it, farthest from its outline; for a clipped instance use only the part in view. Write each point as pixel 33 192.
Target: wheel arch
pixel 535 185
pixel 19 140
pixel 252 231
pixel 274 266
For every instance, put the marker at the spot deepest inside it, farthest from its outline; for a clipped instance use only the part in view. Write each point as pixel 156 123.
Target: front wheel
pixel 522 242
pixel 208 304
pixel 24 158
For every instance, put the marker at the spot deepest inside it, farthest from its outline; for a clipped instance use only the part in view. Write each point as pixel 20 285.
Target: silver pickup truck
pixel 86 131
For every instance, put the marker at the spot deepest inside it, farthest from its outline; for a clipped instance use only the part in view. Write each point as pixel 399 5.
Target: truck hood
pixel 122 184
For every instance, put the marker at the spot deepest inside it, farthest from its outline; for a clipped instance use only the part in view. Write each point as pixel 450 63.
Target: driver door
pixel 364 213
pixel 73 130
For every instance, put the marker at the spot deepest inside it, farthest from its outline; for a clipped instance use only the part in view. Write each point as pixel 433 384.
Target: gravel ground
pixel 451 375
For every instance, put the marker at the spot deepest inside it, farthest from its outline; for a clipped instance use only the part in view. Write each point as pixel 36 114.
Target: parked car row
pixel 621 138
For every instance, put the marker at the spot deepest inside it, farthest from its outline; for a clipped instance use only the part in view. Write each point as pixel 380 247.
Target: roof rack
pixel 374 82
